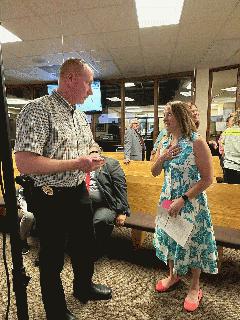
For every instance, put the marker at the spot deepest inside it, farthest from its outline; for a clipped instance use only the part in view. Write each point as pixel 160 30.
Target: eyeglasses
pixel 93 152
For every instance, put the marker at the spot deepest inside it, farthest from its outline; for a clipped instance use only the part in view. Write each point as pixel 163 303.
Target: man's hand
pixel 87 163
pixel 126 161
pixel 120 219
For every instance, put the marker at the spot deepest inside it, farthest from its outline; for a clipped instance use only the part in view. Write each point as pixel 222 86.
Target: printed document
pixel 177 228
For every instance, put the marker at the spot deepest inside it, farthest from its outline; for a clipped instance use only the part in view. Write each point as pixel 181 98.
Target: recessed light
pixel 155 13
pixel 7 36
pixel 129 84
pixel 230 89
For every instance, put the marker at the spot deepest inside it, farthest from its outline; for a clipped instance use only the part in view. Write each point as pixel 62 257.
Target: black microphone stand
pixel 20 280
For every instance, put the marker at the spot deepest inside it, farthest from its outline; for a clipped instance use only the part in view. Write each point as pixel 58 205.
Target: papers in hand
pixel 177 228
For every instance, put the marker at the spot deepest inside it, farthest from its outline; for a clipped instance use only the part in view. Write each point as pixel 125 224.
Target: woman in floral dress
pixel 186 160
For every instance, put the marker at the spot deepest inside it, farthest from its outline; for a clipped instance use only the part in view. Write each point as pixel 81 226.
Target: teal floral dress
pixel 200 251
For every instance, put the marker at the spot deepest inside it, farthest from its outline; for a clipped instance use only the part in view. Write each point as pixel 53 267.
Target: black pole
pixel 20 280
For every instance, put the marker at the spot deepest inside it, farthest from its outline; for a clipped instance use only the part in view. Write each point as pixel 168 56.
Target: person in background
pixel 162 134
pixel 27 221
pixel 213 145
pixel 134 148
pixel 186 161
pixel 231 151
pixel 195 114
pixel 52 148
pixel 229 124
pixel 108 191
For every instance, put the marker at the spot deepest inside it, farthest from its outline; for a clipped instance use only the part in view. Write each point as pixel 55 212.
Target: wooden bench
pixel 114 155
pixel 223 200
pixel 225 236
pixel 217 169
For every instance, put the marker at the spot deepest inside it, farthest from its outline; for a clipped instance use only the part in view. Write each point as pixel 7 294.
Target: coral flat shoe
pixel 161 288
pixel 192 306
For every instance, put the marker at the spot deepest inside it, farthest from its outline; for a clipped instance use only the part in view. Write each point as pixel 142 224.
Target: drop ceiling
pixel 105 33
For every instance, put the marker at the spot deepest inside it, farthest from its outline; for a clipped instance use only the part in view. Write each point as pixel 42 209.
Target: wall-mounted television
pixel 92 103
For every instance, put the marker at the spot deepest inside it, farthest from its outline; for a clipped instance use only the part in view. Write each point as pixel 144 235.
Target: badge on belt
pixel 47 190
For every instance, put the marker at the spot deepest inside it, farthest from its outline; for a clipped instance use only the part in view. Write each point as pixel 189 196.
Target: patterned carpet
pixel 132 276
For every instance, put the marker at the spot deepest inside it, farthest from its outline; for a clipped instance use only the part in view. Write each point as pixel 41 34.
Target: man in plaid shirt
pixel 52 146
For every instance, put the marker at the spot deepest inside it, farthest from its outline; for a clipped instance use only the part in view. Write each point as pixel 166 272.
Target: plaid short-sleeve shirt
pixel 50 127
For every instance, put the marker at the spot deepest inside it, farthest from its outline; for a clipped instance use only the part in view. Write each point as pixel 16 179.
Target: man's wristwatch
pixel 185 197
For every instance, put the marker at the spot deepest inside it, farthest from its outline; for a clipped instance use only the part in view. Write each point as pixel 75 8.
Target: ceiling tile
pixel 113 18
pixel 207 11
pixel 33 48
pixel 153 53
pixel 109 70
pixel 160 36
pixel 66 24
pixel 84 42
pixel 197 31
pixel 125 53
pixel 71 6
pixel 32 28
pixel 12 9
pixel 121 39
pixel 222 51
pixel 230 30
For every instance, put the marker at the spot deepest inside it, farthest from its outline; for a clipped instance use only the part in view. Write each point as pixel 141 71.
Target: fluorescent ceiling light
pixel 15 108
pixel 230 89
pixel 7 36
pixel 132 107
pixel 114 99
pixel 134 110
pixel 186 93
pixel 129 84
pixel 155 13
pixel 17 101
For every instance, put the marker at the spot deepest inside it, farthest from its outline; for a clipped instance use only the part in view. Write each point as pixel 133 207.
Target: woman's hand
pixel 171 152
pixel 175 207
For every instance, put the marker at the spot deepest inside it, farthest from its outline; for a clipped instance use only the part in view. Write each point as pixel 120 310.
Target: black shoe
pixel 69 316
pixel 96 292
pixel 25 247
pixel 36 263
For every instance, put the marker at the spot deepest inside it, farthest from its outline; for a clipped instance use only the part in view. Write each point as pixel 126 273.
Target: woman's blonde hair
pixel 236 117
pixel 190 106
pixel 183 116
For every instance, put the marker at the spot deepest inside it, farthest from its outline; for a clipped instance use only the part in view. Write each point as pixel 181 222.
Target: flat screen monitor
pixel 92 103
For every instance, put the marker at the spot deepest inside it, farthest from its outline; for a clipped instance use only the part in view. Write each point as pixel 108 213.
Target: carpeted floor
pixel 132 276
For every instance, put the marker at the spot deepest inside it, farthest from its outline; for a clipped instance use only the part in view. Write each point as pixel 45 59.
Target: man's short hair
pixel 71 65
pixel 95 147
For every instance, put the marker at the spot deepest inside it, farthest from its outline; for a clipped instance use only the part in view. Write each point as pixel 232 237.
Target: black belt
pixel 50 190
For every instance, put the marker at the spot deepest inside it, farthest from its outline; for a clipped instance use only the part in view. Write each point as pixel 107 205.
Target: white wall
pixel 202 84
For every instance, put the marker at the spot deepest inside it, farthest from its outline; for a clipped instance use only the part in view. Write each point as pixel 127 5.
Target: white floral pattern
pixel 200 251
